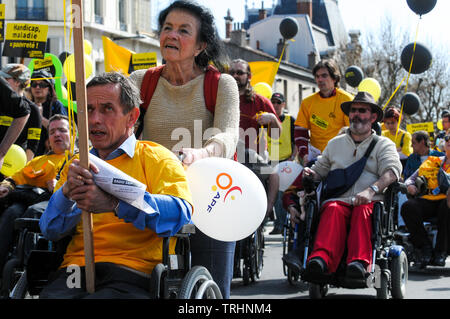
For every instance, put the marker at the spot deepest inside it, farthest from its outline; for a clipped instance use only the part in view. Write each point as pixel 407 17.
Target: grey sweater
pixel 342 151
pixel 178 118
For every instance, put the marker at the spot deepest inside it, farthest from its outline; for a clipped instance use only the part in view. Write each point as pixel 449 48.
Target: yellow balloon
pixel 69 67
pixel 370 85
pixel 87 47
pixel 64 92
pixel 439 125
pixel 14 160
pixel 263 89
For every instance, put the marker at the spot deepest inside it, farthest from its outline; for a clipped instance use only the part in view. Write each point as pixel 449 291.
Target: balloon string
pixel 393 94
pixel 407 79
pixel 72 128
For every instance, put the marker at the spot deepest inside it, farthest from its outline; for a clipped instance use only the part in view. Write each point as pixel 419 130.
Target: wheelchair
pixel 389 270
pixel 248 257
pixel 289 242
pixel 27 273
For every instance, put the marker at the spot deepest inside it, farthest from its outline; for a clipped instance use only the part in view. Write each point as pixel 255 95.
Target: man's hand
pixel 412 190
pixel 363 198
pixel 4 191
pixel 51 185
pixel 265 118
pixel 295 215
pixel 80 187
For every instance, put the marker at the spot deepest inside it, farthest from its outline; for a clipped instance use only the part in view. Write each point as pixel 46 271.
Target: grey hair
pixel 130 96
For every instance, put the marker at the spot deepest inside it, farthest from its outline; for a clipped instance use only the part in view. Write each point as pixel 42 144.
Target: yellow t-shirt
pixel 406 147
pixel 323 117
pixel 429 169
pixel 39 170
pixel 122 243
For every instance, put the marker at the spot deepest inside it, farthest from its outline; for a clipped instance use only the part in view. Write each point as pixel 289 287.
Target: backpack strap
pixel 148 87
pixel 210 87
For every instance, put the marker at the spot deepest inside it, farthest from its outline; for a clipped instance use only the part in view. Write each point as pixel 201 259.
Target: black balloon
pixel 353 76
pixel 62 56
pixel 288 28
pixel 422 58
pixel 421 6
pixel 410 102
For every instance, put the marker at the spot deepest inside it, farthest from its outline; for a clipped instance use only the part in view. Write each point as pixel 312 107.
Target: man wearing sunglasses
pixel 346 219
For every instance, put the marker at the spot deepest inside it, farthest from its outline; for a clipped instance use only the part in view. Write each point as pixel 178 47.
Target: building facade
pixel 126 22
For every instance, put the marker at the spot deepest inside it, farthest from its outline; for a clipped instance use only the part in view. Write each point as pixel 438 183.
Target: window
pixel 122 15
pixel 31 10
pixel 98 11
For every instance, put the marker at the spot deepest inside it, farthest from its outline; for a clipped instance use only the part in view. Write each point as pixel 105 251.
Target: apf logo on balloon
pixel 224 182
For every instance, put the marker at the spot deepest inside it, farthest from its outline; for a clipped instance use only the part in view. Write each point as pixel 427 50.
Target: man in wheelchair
pixel 355 168
pixel 33 184
pixel 127 242
pixel 431 202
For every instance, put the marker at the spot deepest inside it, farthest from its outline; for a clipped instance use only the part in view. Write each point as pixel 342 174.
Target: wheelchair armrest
pixel 186 230
pixel 32 224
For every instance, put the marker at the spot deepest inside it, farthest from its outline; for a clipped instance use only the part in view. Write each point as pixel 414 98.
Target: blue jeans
pixel 217 256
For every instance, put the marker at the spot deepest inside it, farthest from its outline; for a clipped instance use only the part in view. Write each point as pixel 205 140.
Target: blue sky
pixel 364 15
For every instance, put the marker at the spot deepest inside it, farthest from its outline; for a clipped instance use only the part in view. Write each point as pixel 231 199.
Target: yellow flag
pixel 117 58
pixel 263 71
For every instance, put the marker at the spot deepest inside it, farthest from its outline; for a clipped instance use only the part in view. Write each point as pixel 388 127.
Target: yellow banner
pixel 26 32
pixel 263 71
pixel 2 22
pixel 117 58
pixel 425 126
pixel 141 61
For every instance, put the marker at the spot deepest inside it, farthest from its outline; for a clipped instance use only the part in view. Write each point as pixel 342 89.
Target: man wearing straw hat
pixel 346 215
pixel 127 240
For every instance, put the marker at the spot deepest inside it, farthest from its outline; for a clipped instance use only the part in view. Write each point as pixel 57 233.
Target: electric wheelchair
pixel 388 273
pixel 35 258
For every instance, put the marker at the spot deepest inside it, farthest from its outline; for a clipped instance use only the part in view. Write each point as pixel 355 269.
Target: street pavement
pixel 431 283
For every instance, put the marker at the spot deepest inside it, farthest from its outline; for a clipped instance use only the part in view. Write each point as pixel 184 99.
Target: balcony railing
pixel 31 13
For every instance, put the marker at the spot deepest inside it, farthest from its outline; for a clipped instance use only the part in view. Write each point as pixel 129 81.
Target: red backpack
pixel 151 77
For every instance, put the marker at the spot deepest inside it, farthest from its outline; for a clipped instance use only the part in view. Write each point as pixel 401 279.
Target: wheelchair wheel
pixel 383 286
pixel 198 284
pixel 317 291
pixel 20 289
pixel 399 275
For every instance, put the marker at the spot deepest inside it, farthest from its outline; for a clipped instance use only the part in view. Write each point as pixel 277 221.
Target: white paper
pixel 120 185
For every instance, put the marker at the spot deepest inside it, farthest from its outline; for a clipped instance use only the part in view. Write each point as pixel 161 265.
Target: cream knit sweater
pixel 178 118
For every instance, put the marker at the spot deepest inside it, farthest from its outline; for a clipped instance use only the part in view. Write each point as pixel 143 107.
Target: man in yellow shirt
pixel 39 172
pixel 320 116
pixel 127 240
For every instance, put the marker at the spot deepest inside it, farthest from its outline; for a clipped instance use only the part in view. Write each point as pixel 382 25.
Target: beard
pixel 242 84
pixel 359 126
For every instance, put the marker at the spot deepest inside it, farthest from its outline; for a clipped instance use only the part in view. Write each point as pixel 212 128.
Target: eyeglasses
pixel 447 138
pixel 360 110
pixel 42 85
pixel 238 72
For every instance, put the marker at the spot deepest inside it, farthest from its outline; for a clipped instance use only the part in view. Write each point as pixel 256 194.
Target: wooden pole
pixel 78 39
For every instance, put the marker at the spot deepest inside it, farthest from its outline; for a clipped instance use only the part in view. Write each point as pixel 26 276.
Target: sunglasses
pixel 277 102
pixel 238 72
pixel 41 85
pixel 360 110
pixel 447 138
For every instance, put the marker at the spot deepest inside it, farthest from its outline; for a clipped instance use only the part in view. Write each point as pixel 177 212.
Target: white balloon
pixel 229 200
pixel 288 172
